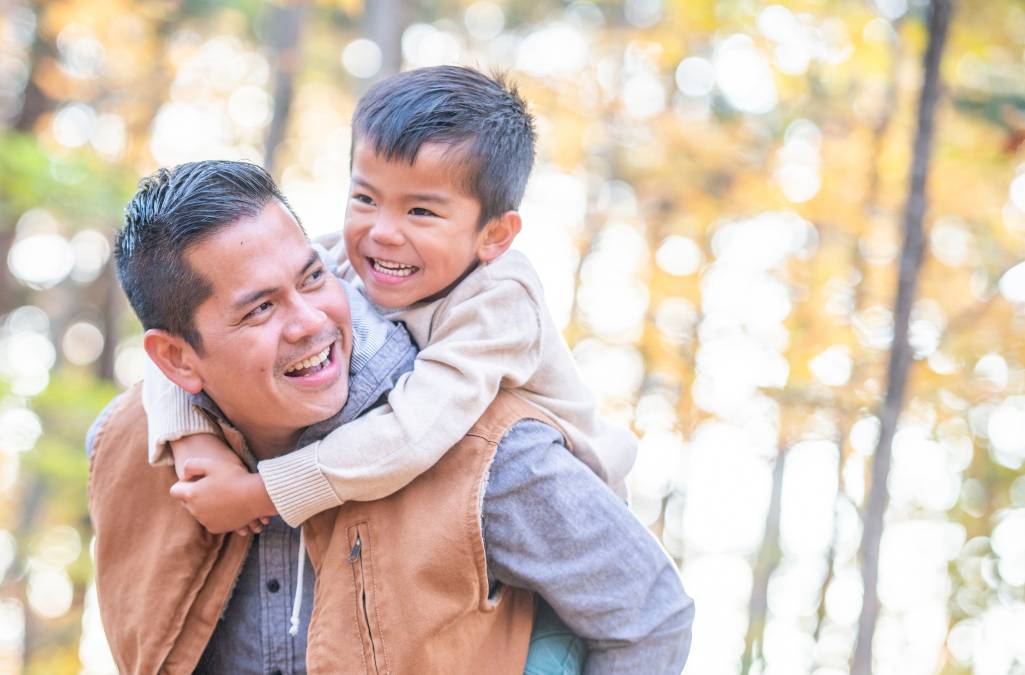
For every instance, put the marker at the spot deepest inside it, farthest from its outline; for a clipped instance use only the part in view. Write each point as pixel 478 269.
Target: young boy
pixel 440 162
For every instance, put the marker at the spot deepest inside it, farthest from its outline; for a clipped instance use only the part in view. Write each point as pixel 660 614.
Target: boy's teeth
pixel 310 362
pixel 393 268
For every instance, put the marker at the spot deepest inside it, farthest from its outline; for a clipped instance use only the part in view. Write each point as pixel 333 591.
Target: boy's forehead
pixel 437 163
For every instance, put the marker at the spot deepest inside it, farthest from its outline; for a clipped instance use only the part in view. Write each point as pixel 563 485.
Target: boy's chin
pixel 389 300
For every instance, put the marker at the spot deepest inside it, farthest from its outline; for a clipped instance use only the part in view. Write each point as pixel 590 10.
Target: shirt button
pixel 273 586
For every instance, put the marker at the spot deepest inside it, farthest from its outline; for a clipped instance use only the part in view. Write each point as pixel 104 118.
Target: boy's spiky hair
pixel 482 118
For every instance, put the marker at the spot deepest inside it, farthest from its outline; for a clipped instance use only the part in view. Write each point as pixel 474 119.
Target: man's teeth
pixel 393 268
pixel 310 362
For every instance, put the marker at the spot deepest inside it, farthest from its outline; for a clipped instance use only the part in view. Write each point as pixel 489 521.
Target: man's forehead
pixel 251 254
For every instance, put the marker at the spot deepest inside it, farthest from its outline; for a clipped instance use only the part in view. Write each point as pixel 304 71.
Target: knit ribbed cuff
pixel 297 486
pixel 182 419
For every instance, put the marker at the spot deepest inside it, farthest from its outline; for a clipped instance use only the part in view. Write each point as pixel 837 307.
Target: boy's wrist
pixel 257 496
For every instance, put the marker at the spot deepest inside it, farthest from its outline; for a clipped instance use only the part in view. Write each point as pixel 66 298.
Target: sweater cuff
pixel 182 420
pixel 297 486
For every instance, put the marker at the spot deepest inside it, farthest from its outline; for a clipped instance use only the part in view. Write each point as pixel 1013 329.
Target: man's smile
pixel 309 365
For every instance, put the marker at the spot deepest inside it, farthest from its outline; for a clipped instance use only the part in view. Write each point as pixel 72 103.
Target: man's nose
pixel 306 320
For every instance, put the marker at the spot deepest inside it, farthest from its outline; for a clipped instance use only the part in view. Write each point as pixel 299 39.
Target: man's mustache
pixel 307 348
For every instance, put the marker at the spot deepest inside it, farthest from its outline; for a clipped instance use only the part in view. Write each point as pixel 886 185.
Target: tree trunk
pixel 35 102
pixel 879 132
pixel 112 304
pixel 385 21
pixel 11 293
pixel 900 354
pixel 286 26
pixel 768 559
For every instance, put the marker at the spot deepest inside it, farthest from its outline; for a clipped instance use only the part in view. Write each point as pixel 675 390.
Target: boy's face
pixel 410 230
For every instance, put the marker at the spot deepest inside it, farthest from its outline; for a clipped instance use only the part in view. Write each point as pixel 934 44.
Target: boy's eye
pixel 420 211
pixel 363 199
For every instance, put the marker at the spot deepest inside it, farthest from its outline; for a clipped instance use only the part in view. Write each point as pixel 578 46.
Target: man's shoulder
pixel 527 443
pixel 114 409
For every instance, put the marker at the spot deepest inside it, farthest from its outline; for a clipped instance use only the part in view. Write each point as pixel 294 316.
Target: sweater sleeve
pixel 486 340
pixel 169 415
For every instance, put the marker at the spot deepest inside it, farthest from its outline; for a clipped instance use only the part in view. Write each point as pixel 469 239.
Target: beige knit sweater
pixel 492 331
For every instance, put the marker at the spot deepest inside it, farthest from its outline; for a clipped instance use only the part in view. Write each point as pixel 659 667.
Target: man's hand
pixel 222 495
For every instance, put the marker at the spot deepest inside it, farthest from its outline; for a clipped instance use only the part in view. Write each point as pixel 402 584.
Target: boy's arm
pixel 179 433
pixel 222 495
pixel 170 415
pixel 482 342
pixel 551 526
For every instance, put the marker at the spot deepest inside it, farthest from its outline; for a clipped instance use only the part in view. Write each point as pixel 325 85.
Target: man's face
pixel 410 230
pixel 276 329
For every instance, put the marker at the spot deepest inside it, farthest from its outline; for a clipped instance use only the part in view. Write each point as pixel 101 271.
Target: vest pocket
pixel 366 608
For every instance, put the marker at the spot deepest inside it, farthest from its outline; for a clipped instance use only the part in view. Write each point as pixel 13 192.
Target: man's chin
pixel 310 408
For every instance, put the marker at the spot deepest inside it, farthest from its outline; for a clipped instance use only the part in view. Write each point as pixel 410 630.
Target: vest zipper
pixel 356 560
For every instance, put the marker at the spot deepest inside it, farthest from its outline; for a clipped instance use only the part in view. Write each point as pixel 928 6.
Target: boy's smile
pixel 410 229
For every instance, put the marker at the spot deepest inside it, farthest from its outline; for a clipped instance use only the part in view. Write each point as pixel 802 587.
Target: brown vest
pixel 410 597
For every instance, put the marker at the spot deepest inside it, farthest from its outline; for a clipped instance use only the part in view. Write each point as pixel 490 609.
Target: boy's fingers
pixel 181 491
pixel 244 532
pixel 194 467
pixel 256 527
pixel 265 520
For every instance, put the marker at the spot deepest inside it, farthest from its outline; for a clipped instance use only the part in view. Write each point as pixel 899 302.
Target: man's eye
pixel 258 310
pixel 420 211
pixel 315 276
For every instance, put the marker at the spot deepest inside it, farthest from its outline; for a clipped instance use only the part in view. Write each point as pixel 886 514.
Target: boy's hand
pixel 196 446
pixel 222 495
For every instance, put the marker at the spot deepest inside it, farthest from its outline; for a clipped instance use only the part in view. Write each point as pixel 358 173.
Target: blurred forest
pixel 728 196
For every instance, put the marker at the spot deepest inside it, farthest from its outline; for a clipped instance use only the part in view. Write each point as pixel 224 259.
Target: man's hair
pixel 173 210
pixel 483 118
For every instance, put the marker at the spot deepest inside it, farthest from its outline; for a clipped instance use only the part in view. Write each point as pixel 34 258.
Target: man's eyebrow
pixel 250 298
pixel 310 262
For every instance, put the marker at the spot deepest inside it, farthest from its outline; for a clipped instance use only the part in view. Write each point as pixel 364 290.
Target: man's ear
pixel 498 235
pixel 175 358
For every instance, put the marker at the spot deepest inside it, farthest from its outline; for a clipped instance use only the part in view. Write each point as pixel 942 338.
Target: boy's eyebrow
pixel 431 197
pixel 362 183
pixel 253 296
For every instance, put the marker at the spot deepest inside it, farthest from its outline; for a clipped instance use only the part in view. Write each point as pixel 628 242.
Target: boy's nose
pixel 385 231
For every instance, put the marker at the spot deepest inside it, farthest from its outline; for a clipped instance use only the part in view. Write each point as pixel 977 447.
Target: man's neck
pixel 262 443
pixel 266 444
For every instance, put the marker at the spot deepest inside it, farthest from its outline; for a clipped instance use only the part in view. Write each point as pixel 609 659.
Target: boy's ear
pixel 498 235
pixel 175 358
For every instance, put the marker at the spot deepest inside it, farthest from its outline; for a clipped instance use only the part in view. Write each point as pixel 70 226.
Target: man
pixel 428 580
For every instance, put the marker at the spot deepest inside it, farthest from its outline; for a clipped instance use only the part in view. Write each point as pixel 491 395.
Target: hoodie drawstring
pixel 297 603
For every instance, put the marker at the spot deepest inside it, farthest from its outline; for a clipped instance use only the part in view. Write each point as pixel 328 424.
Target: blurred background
pixel 722 212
